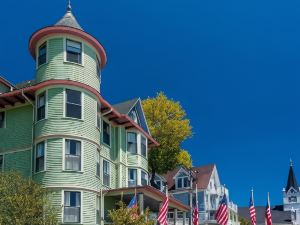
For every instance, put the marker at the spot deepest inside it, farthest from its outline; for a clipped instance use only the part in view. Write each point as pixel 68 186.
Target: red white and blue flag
pixel 196 214
pixel 222 212
pixel 252 210
pixel 268 216
pixel 133 202
pixel 163 213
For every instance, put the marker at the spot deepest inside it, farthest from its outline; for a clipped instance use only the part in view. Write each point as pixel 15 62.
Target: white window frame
pixel 5 118
pixel 65 104
pixel 98 154
pixel 45 157
pixel 138 150
pixel 182 182
pixel 142 136
pixel 71 38
pixel 37 66
pixel 147 174
pixel 137 180
pixel 98 116
pixel 81 156
pixel 109 172
pixel 63 205
pixel 110 132
pixel 46 105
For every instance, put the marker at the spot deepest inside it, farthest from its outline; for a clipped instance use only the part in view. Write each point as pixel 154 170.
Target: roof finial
pixel 291 162
pixel 69 7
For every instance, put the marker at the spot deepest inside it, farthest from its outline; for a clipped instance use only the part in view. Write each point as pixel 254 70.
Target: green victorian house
pixel 59 131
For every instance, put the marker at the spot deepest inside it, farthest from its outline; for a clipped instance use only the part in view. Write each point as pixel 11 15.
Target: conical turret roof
pixel 292 181
pixel 69 20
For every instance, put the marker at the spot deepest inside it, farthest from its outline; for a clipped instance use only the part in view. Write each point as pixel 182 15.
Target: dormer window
pixel 74 51
pixel 293 199
pixel 42 54
pixel 133 116
pixel 183 182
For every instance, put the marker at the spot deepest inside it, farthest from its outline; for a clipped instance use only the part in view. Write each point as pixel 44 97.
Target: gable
pixel 181 173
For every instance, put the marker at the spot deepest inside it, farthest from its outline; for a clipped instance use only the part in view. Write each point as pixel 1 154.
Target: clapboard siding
pixel 19 162
pixel 56 68
pixel 18 131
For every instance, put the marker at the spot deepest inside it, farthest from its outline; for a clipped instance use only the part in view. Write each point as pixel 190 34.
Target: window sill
pixel 106 145
pixel 73 171
pixel 104 185
pixel 73 63
pixel 72 118
pixel 41 120
pixel 40 66
pixel 37 173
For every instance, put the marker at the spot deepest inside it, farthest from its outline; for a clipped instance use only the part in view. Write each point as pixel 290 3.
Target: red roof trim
pixel 71 31
pixel 86 87
pixel 151 190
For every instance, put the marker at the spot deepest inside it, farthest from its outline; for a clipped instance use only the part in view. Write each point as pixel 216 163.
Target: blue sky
pixel 233 65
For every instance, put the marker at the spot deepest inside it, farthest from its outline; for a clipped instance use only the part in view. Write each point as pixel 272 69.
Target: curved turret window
pixel 132 142
pixel 41 106
pixel 42 59
pixel 74 51
pixel 73 104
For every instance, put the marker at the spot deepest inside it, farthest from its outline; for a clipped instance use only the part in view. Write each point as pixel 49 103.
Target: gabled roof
pixel 202 175
pixel 134 104
pixel 6 83
pixel 125 107
pixel 278 215
pixel 292 181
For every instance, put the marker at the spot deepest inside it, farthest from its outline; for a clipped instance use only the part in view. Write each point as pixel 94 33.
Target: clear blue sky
pixel 234 66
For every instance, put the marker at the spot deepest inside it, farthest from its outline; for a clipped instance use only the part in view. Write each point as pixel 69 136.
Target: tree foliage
pixel 169 126
pixel 24 202
pixel 184 159
pixel 244 221
pixel 129 216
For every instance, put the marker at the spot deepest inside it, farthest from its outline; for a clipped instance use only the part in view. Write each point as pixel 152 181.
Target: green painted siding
pixel 18 161
pixel 56 124
pixel 3 88
pixel 56 68
pixel 18 132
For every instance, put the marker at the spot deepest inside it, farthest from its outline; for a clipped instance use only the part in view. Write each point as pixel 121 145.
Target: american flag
pixel 196 214
pixel 252 210
pixel 222 212
pixel 268 218
pixel 163 213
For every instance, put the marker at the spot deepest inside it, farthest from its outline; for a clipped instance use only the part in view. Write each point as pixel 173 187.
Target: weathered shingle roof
pixel 125 107
pixel 278 215
pixel 69 20
pixel 202 175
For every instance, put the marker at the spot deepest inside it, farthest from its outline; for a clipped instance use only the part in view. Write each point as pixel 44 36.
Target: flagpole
pixel 269 200
pixel 252 195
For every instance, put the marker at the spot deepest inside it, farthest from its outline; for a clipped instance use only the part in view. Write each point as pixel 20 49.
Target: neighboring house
pixel 289 212
pixel 58 130
pixel 209 190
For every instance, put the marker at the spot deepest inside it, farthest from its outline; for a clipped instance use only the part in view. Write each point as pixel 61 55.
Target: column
pixel 102 208
pixel 184 218
pixel 141 203
pixel 175 216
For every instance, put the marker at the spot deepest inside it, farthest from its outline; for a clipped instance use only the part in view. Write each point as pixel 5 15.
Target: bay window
pixel 143 146
pixel 42 54
pixel 72 155
pixel 72 207
pixel 106 173
pixel 132 177
pixel 132 142
pixel 144 178
pixel 106 133
pixel 98 163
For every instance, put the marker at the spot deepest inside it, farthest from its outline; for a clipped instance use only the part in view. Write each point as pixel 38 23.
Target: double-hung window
pixel 98 66
pixel 1 163
pixel 144 178
pixel 73 104
pixel 132 142
pixel 74 51
pixel 106 173
pixel 72 207
pixel 106 133
pixel 40 157
pixel 2 119
pixel 73 155
pixel 132 177
pixel 41 106
pixel 42 58
pixel 98 163
pixel 143 146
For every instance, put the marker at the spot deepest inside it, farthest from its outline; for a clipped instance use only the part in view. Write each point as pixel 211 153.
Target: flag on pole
pixel 163 213
pixel 196 211
pixel 252 210
pixel 222 212
pixel 133 202
pixel 268 216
